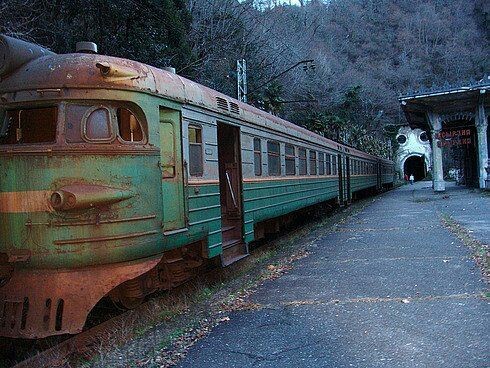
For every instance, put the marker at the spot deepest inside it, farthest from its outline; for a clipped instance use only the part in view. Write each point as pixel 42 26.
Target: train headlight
pixel 84 196
pixel 14 53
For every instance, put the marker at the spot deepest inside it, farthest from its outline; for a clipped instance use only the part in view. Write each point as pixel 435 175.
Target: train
pixel 119 179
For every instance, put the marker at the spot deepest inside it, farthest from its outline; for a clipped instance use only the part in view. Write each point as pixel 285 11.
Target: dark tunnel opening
pixel 415 165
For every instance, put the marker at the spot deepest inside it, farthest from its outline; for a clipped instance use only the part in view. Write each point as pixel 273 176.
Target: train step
pixel 230 232
pixel 233 250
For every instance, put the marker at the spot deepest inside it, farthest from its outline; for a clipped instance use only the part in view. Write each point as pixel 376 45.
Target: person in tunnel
pixel 414 167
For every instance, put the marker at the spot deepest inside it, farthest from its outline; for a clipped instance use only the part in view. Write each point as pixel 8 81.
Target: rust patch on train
pixel 48 309
pixel 28 201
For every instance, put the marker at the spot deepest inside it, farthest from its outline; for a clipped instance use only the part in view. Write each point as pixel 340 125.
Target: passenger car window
pixel 290 159
pixel 302 161
pixel 29 126
pixel 312 162
pixel 196 165
pixel 97 126
pixel 321 163
pixel 328 167
pixel 257 157
pixel 334 165
pixel 274 159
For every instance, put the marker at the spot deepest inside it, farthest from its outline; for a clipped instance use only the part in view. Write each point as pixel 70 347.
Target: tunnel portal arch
pixel 415 165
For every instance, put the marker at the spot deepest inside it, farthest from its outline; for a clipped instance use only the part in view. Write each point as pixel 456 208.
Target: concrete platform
pixel 390 287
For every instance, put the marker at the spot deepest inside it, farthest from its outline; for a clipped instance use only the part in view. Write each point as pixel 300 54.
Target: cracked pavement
pixel 390 287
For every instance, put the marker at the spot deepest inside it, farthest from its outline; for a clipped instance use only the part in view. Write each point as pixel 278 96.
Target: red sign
pixel 449 138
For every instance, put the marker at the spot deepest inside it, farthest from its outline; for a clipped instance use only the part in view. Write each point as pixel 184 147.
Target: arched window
pixel 97 125
pixel 130 129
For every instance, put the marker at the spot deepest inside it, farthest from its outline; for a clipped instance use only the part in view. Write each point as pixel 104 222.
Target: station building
pixel 455 119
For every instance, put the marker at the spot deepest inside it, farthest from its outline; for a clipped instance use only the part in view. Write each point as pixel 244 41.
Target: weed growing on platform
pixel 481 252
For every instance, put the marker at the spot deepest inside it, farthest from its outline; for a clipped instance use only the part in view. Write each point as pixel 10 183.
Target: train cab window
pixel 196 166
pixel 334 165
pixel 302 161
pixel 312 162
pixel 274 158
pixel 29 126
pixel 321 163
pixel 257 157
pixel 97 126
pixel 290 159
pixel 328 167
pixel 129 126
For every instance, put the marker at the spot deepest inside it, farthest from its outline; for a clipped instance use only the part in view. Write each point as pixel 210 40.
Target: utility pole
pixel 241 77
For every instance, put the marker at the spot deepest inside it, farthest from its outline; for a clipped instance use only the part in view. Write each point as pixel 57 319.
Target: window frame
pixel 83 125
pixel 289 157
pixel 321 163
pixel 259 153
pixel 271 155
pixel 302 159
pixel 201 144
pixel 314 160
pixel 144 138
pixel 59 114
pixel 328 164
pixel 334 164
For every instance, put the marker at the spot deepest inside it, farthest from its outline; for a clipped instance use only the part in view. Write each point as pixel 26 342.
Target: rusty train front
pixel 80 186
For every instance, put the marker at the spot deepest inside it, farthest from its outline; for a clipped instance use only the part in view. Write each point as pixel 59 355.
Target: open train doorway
pixel 230 186
pixel 415 165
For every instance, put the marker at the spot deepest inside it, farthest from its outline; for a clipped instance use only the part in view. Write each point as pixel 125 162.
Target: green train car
pixel 120 179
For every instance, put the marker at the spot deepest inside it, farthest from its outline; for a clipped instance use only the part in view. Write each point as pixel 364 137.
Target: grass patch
pixel 481 252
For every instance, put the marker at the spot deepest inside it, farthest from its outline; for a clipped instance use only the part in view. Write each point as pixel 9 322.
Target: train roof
pixel 58 71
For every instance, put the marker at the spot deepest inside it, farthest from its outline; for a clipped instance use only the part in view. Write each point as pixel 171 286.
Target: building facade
pixel 456 120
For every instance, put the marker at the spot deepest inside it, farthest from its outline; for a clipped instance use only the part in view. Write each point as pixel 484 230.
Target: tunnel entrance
pixel 415 165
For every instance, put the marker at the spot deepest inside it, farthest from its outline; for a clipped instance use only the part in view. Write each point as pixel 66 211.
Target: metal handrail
pixel 231 189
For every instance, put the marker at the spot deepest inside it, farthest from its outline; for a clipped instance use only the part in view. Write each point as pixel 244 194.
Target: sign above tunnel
pixel 456 137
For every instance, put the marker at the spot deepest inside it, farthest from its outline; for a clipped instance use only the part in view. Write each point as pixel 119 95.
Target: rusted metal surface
pixel 77 197
pixel 58 301
pixel 174 268
pixel 84 345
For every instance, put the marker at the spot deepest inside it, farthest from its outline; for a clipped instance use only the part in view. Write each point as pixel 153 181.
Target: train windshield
pixel 28 126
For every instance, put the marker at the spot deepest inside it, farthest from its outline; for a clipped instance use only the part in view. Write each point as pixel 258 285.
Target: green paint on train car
pixel 272 198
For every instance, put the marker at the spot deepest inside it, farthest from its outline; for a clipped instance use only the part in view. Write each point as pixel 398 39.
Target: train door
pixel 172 170
pixel 378 172
pixel 341 178
pixel 230 181
pixel 347 179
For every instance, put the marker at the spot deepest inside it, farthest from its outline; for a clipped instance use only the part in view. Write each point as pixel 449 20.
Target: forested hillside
pixel 365 51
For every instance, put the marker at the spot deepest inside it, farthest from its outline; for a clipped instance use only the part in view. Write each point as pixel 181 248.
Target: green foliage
pixel 150 31
pixel 270 99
